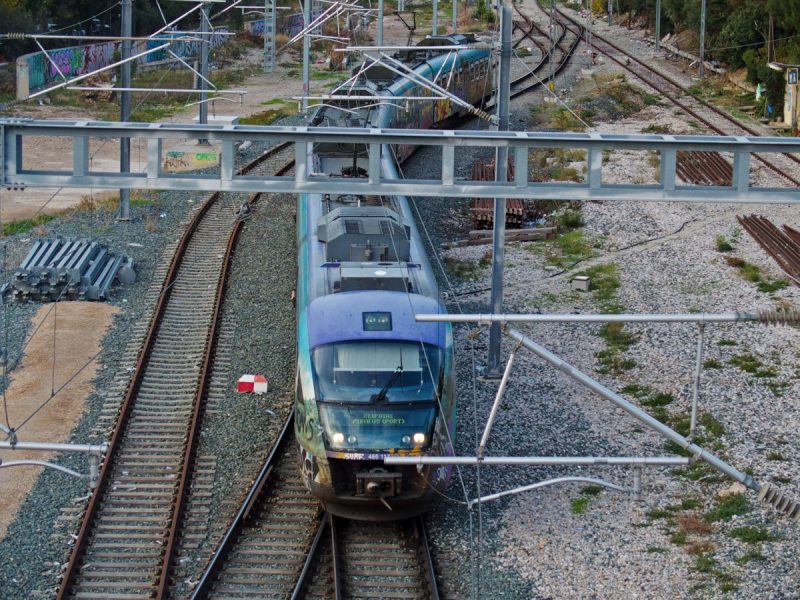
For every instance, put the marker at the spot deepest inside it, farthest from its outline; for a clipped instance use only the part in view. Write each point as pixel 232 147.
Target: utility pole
pixel 590 51
pixel 380 23
pixel 658 25
pixel 204 43
pixel 610 12
pixel 306 53
pixel 126 31
pixel 270 11
pixel 553 44
pixel 501 174
pixel 435 20
pixel 702 38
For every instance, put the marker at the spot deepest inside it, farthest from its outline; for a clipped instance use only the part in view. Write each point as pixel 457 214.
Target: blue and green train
pixel 371 381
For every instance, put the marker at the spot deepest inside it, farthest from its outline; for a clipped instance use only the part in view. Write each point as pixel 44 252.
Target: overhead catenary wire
pixel 475 557
pixel 6 322
pixel 100 14
pixel 59 390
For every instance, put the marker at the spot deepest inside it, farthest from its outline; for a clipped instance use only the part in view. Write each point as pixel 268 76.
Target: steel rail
pixel 116 442
pixel 257 490
pixel 336 558
pixel 566 56
pixel 782 247
pixel 426 559
pixel 369 559
pixel 735 122
pixel 314 553
pixel 197 412
pixel 546 57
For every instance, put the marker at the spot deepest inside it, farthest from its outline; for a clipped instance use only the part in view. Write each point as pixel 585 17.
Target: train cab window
pixel 377 372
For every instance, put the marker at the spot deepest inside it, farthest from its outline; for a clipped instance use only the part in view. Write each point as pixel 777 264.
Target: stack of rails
pixel 783 246
pixel 482 209
pixel 704 168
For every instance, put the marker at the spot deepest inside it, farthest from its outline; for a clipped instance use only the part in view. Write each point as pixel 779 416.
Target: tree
pixel 745 27
pixel 15 18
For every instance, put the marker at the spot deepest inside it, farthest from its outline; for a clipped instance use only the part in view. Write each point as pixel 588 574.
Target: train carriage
pixel 371 381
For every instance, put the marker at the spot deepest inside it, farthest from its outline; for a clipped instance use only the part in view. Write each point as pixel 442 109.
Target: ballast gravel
pixel 563 541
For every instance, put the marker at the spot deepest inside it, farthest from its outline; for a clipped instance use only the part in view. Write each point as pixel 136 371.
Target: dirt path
pixel 81 326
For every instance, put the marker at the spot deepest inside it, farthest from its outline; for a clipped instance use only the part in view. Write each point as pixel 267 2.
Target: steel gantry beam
pixel 442 183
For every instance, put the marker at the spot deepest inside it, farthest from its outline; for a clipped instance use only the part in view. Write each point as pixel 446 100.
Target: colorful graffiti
pixel 294 23
pixel 181 47
pixel 257 27
pixel 70 62
pixel 80 60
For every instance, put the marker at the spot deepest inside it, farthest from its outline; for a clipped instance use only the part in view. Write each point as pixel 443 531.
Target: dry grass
pixel 693 523
pixel 698 547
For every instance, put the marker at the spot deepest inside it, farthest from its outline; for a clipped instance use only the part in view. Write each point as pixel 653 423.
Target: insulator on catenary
pixel 14 35
pixel 783 316
pixel 777 500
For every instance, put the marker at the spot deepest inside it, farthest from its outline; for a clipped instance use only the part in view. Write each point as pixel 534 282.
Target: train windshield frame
pixel 377 371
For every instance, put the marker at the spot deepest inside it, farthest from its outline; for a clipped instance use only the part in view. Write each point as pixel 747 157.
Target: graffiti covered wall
pixel 72 62
pixel 35 71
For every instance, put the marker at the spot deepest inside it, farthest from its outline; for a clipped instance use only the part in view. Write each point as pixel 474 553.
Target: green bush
pixel 727 507
pixel 751 534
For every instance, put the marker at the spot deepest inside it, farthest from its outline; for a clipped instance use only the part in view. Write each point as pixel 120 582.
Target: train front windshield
pixel 377 394
pixel 371 372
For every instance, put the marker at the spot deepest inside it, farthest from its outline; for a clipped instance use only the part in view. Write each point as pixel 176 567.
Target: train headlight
pixel 419 439
pixel 406 439
pixel 338 439
pixel 351 439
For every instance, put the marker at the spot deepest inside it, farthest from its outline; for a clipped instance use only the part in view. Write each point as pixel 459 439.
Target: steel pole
pixel 658 25
pixel 126 26
pixel 702 38
pixel 634 411
pixel 306 52
pixel 204 42
pixel 610 12
pixel 380 23
pixel 435 19
pixel 500 169
pixel 455 16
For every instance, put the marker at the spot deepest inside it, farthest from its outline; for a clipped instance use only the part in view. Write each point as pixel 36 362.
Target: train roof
pixel 340 317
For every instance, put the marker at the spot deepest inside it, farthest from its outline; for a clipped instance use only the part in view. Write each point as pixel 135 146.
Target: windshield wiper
pixel 381 396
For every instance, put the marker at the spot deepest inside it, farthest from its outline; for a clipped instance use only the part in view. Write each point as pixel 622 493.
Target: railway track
pixel 265 548
pixel 482 210
pixel 540 73
pixel 701 110
pixel 562 51
pixel 361 559
pixel 129 533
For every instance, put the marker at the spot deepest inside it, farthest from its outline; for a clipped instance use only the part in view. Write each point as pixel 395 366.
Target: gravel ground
pixel 32 557
pixel 36 544
pixel 533 545
pixel 259 316
pixel 564 542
